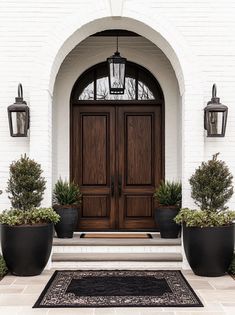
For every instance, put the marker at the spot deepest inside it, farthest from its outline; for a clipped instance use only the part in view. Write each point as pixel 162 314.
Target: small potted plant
pixel 168 197
pixel 66 200
pixel 26 230
pixel 208 232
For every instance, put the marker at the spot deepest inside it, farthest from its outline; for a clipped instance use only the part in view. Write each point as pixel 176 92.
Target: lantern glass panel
pixel 117 76
pixel 215 122
pixel 18 123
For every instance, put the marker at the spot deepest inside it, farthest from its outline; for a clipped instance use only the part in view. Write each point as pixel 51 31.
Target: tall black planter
pixel 209 250
pixel 26 249
pixel 68 221
pixel 164 217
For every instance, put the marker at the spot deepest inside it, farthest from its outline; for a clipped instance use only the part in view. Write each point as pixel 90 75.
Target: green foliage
pixel 212 185
pixel 3 267
pixel 30 217
pixel 169 194
pixel 211 189
pixel 25 185
pixel 66 193
pixel 200 218
pixel 231 268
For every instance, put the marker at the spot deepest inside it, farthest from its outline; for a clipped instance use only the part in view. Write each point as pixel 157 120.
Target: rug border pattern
pixel 57 272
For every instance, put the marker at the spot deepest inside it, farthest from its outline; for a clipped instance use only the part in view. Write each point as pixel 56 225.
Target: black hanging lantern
pixel 117 73
pixel 18 115
pixel 215 116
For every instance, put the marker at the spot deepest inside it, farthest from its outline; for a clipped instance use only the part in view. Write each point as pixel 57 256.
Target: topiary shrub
pixel 26 187
pixel 66 193
pixel 211 188
pixel 169 194
pixel 3 267
pixel 26 184
pixel 212 185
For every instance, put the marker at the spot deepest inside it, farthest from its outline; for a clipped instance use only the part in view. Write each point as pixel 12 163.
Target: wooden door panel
pixel 96 206
pixel 93 162
pixel 138 206
pixel 138 149
pixel 95 148
pixel 140 164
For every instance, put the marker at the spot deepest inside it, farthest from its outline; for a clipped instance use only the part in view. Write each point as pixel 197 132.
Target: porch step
pixel 80 253
pixel 117 257
pixel 77 241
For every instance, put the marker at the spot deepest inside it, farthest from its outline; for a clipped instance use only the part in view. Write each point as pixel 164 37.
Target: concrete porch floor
pixel 18 294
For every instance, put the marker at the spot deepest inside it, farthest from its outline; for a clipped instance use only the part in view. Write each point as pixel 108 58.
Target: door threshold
pixel 119 235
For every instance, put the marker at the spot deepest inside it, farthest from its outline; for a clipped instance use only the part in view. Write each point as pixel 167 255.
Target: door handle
pixel 120 185
pixel 112 186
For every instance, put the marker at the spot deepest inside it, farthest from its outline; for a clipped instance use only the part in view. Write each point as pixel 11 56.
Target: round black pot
pixel 26 249
pixel 164 219
pixel 68 221
pixel 209 250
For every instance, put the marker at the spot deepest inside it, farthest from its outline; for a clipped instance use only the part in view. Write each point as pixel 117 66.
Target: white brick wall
pixel 198 38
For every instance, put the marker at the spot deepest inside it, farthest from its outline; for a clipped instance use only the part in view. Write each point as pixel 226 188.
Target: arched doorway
pixel 116 152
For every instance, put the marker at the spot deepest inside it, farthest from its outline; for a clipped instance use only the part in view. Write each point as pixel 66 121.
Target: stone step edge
pixel 69 242
pixel 117 265
pixel 66 257
pixel 144 250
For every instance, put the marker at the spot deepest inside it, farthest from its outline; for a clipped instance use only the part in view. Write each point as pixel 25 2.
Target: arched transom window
pixel 141 85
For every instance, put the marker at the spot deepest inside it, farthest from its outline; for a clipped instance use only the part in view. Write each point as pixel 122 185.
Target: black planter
pixel 209 250
pixel 164 219
pixel 68 221
pixel 26 249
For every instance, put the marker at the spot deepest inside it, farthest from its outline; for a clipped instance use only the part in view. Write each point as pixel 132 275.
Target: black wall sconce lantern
pixel 117 73
pixel 215 116
pixel 18 116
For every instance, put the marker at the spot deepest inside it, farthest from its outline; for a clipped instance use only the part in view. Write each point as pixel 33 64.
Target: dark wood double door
pixel 116 158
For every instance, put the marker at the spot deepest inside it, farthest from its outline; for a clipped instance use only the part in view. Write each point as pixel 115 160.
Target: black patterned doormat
pixel 118 288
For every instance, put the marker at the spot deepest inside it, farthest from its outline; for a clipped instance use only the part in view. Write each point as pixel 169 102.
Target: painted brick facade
pixel 197 38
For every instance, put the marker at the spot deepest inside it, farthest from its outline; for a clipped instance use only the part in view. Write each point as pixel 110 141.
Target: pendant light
pixel 117 72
